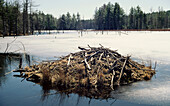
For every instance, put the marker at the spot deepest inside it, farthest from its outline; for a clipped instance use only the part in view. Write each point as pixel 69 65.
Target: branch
pixel 118 81
pixel 85 60
pixel 69 60
pixel 8 44
pixel 112 80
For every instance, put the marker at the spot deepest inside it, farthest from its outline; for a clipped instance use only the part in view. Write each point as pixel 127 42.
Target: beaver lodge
pixel 92 67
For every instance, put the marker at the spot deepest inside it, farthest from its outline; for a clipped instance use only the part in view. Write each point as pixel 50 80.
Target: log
pixel 118 81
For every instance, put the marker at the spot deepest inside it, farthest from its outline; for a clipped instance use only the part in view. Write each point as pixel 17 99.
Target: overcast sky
pixel 86 8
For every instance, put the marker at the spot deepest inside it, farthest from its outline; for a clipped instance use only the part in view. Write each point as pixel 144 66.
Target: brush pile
pixel 91 67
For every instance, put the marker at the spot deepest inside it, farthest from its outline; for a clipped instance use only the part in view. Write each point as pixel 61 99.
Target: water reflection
pixel 93 93
pixel 62 95
pixel 5 66
pixel 10 61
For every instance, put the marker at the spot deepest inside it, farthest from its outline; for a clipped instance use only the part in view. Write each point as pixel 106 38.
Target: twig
pixel 81 48
pixel 113 102
pixel 23 46
pixel 8 72
pixel 101 45
pixel 69 60
pixel 107 60
pixel 155 65
pixel 85 60
pixel 8 44
pixel 112 80
pixel 98 63
pixel 134 65
pixel 89 46
pixel 16 50
pixel 113 66
pixel 23 79
pixel 13 40
pixel 101 56
pixel 89 57
pixel 6 48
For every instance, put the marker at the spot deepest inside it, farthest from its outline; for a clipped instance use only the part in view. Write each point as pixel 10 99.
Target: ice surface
pixel 146 45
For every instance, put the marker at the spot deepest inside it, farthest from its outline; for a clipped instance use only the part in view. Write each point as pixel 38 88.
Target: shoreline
pixel 90 30
pixel 136 30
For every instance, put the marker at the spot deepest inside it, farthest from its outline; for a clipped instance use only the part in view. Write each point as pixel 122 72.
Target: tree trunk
pixel 3 24
pixel 26 17
pixel 23 27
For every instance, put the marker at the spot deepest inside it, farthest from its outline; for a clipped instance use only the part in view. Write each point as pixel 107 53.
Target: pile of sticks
pixel 90 67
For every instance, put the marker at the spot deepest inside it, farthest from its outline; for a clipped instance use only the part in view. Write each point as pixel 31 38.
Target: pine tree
pixel 68 21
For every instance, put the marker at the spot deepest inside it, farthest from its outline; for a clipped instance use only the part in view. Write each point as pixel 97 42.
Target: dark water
pixel 14 91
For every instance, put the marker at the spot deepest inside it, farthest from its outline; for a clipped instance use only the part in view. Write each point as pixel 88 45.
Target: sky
pixel 86 8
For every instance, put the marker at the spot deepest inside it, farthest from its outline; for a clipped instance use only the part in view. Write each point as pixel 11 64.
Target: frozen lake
pixel 142 46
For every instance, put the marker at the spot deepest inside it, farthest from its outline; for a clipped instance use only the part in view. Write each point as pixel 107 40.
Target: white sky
pixel 86 8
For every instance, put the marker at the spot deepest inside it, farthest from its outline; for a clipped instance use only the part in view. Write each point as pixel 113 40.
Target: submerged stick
pixel 8 72
pixel 155 65
pixel 20 63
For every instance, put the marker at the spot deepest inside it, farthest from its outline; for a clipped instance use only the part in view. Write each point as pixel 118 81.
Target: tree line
pixel 74 22
pixel 18 18
pixel 113 17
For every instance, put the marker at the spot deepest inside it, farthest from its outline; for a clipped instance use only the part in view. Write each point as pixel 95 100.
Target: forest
pixel 109 17
pixel 21 19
